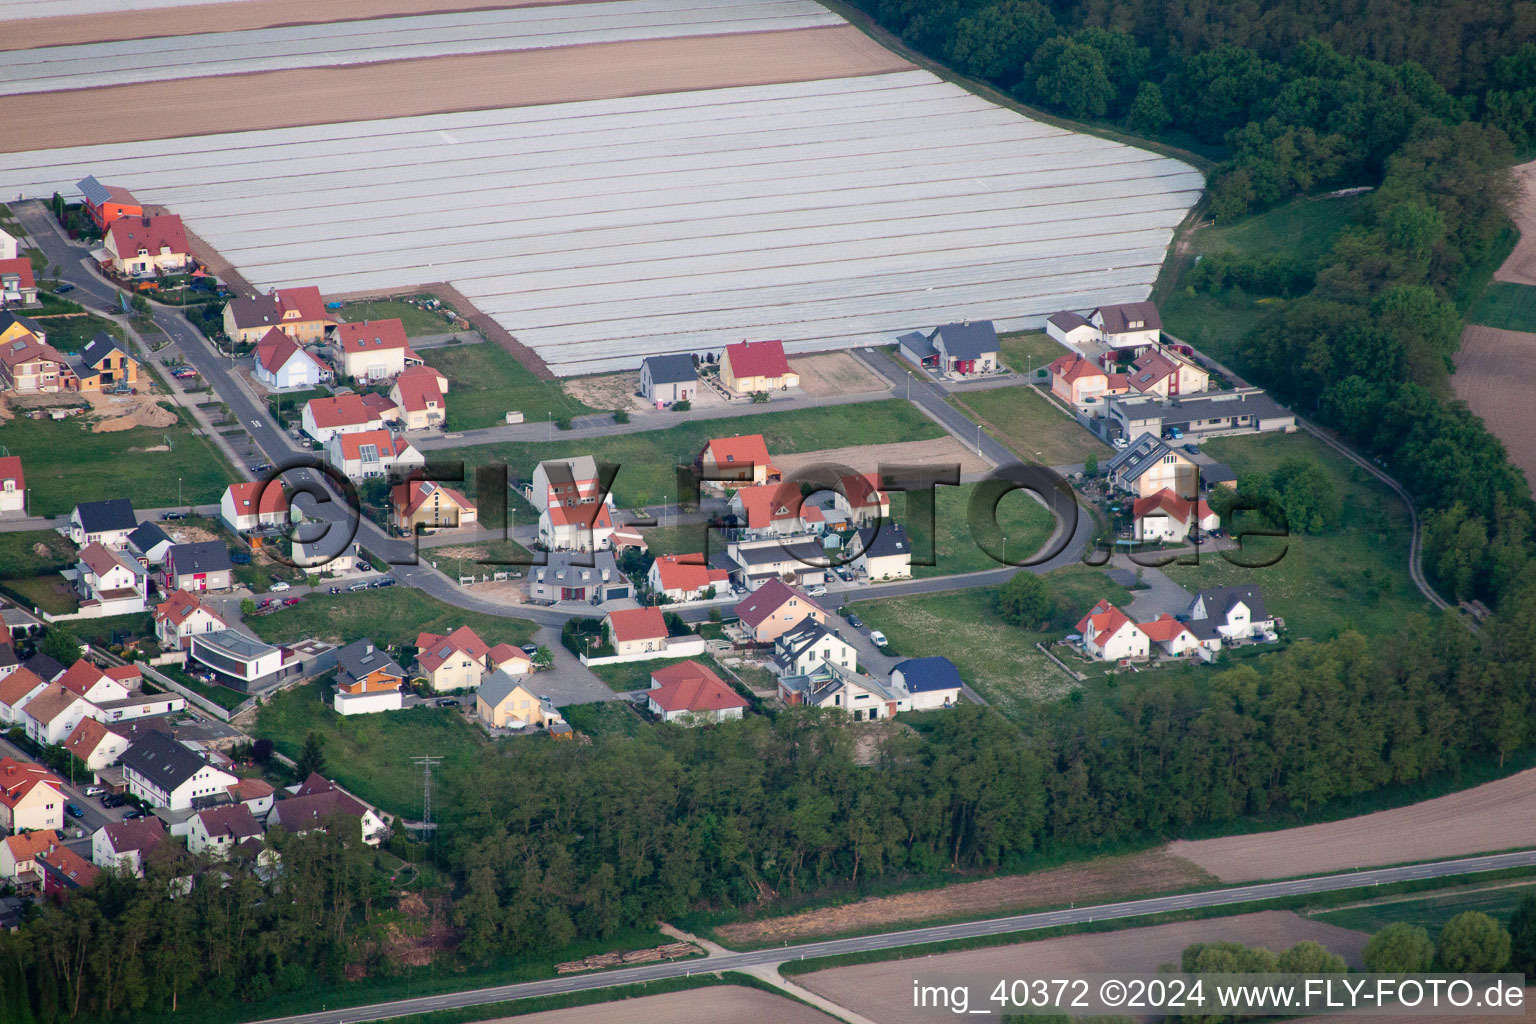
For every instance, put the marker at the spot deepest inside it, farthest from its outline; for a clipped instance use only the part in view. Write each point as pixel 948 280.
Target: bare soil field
pixel 1106 879
pixel 1520 267
pixel 699 1006
pixel 280 99
pixel 28 33
pixel 834 373
pixel 609 391
pixel 1490 817
pixel 124 412
pixel 866 458
pixel 1491 370
pixel 883 991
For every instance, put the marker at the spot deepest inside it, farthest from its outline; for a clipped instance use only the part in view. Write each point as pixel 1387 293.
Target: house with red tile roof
pixel 1172 637
pixel 252 504
pixel 17 285
pixel 147 245
pixel 776 608
pixel 257 794
pixel 636 631
pixel 283 363
pixel 587 527
pixel 85 679
pixel 110 582
pixel 420 393
pixel 1108 634
pixel 774 510
pixel 106 203
pixel 1163 372
pixel 18 687
pixel 753 366
pixel 862 499
pixel 344 414
pixel 372 453
pixel 13 485
pixel 1165 516
pixel 372 350
pixel 686 578
pixel 216 831
pixel 31 366
pixel 95 745
pixel 180 617
pixel 299 313
pixel 456 661
pixel 742 459
pixel 565 482
pixel 18 856
pixel 688 693
pixel 429 504
pixel 63 869
pixel 31 796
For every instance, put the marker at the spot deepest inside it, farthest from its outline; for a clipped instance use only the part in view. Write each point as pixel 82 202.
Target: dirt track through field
pixel 700 1006
pixel 867 458
pixel 1520 267
pixel 1494 369
pixel 1498 815
pixel 1098 881
pixel 27 33
pixel 883 991
pixel 280 99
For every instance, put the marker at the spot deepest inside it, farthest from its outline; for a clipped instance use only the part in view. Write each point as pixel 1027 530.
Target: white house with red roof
pixel 16 688
pixel 372 350
pixel 1172 637
pixel 145 245
pixel 252 504
pixel 282 363
pixel 688 693
pixel 31 797
pixel 86 679
pixel 420 395
pixel 456 661
pixel 686 578
pixel 95 745
pixel 323 418
pixel 586 527
pixel 1110 635
pixel 299 313
pixel 109 582
pixel 636 631
pixel 753 366
pixel 738 460
pixel 372 453
pixel 774 609
pixel 124 844
pixel 52 715
pixel 18 856
pixel 862 499
pixel 13 485
pixel 1163 372
pixel 772 510
pixel 1165 516
pixel 180 617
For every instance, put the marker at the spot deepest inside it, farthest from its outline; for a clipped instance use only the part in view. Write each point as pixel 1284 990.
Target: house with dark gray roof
pixel 928 683
pixel 148 543
pixel 203 565
pixel 107 523
pixel 1230 613
pixel 801 651
pixel 960 350
pixel 1148 466
pixel 164 773
pixel 1070 328
pixel 885 552
pixel 1134 325
pixel 668 379
pixel 593 577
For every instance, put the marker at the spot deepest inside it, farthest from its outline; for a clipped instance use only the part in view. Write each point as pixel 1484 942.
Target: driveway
pixel 569 681
pixel 1162 595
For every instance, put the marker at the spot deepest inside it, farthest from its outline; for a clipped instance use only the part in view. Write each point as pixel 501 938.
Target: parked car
pixel 93 790
pixel 878 638
pixel 530 649
pixel 63 287
pixel 845 574
pixel 168 516
pixel 240 557
pixel 260 467
pixel 354 588
pixel 855 622
pixel 1193 449
pixel 1122 443
pixel 290 602
pixel 817 591
pixel 74 811
pixel 113 800
pixel 383 581
pixel 135 813
pixel 279 587
pixel 335 590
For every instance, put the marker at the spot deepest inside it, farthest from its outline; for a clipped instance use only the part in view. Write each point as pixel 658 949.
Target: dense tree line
pixel 1291 97
pixel 549 842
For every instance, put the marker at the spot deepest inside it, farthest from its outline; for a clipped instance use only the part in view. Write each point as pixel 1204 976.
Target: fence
pixel 676 647
pixel 193 697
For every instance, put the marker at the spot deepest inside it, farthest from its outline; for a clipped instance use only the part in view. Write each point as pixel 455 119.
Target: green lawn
pixel 417 321
pixel 999 660
pixel 101 631
pixel 1026 422
pixel 33 553
pixel 1216 323
pixel 636 675
pixel 605 718
pixel 223 696
pixel 371 754
pixel 485 383
pixel 50 592
pixel 389 616
pixel 117 464
pixel 1507 306
pixel 1028 351
pixel 70 333
pixel 1429 911
pixel 1355 577
pixel 680 540
pixel 1021 519
pixel 648 460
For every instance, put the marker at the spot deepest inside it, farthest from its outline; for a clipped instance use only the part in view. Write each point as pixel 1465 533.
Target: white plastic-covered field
pixel 361 42
pixel 11 10
pixel 827 214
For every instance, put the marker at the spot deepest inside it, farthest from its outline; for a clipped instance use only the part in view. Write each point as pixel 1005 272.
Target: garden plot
pixel 828 214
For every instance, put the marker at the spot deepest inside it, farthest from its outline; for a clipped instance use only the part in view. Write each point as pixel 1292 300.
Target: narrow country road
pixel 919 936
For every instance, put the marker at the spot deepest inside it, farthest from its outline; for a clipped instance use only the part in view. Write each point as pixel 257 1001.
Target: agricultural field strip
pixel 360 42
pixel 791 211
pixel 14 10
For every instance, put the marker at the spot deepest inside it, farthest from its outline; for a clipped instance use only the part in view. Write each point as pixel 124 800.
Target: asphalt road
pixel 918 936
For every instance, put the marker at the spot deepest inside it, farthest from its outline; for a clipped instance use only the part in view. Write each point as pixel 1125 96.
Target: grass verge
pixel 485 383
pixel 393 615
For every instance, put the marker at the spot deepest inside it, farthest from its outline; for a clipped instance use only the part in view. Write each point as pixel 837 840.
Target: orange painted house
pixel 106 203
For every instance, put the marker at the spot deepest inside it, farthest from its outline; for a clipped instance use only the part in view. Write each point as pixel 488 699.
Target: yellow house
pixel 431 505
pixel 754 366
pixel 103 364
pixel 13 327
pixel 452 662
pixel 504 702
